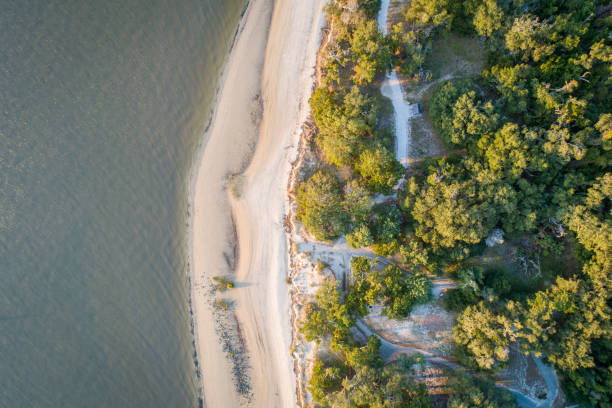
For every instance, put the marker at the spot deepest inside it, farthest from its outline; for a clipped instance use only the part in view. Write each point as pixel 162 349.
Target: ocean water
pixel 103 104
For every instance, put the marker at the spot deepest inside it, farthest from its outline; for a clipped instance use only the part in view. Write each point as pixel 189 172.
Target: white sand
pixel 275 60
pixel 264 311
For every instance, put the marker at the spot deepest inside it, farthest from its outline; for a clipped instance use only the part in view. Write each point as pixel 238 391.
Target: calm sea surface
pixel 102 106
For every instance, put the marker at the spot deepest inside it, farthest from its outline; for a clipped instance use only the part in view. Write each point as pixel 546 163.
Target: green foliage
pixel 319 202
pixel 488 18
pixel 484 335
pixel 360 237
pixel 326 378
pixel 400 291
pixel 345 119
pixel 563 322
pixel 530 38
pixel 384 387
pixel 471 391
pixel 370 7
pixel 592 386
pixel 369 52
pixel 442 109
pixel 366 356
pixel 475 285
pixel 449 211
pixel 592 220
pixel 379 170
pixel 328 316
pixel 409 48
pixel 357 201
pixel 457 299
pixel 223 283
pixel 386 227
pixel 430 13
pixel 470 119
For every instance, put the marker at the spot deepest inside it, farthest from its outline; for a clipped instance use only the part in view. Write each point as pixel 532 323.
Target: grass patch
pixel 221 304
pixel 425 142
pixel 320 266
pixel 235 183
pixel 222 283
pixel 455 55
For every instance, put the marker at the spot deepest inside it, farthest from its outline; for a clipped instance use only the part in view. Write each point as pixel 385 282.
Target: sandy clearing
pixel 263 303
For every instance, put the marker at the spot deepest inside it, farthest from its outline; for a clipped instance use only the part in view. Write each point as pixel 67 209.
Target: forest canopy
pixel 528 144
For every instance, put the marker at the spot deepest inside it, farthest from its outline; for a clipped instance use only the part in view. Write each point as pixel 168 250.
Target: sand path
pixel 403 111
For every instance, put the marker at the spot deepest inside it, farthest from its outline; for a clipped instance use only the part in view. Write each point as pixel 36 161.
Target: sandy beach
pixel 262 102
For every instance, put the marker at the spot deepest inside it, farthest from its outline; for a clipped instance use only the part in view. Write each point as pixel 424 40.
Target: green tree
pixel 442 104
pixel 531 38
pixel 345 119
pixel 379 169
pixel 326 378
pixel 484 335
pixel 471 391
pixel 429 13
pixel 328 316
pixel 380 388
pixel 369 50
pixel 319 202
pixel 488 18
pixel 371 7
pixel 471 119
pixel 360 236
pixel 592 219
pixel 563 321
pixel 386 226
pixel 592 386
pixel 448 211
pixel 401 291
pixel 368 355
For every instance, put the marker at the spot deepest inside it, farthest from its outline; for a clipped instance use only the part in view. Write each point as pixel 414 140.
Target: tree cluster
pixel 355 147
pixel 530 141
pixel 352 374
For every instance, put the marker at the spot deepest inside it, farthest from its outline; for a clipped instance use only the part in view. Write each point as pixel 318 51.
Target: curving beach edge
pixel 244 352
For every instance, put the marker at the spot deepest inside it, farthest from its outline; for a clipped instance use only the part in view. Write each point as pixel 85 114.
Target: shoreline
pixel 214 371
pixel 261 105
pixel 193 174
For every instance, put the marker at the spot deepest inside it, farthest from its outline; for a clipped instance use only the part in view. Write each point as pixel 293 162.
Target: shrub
pixel 379 170
pixel 319 202
pixel 360 237
pixel 222 283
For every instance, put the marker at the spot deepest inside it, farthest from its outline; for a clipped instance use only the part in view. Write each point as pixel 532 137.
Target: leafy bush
pixel 344 118
pixel 448 99
pixel 484 335
pixel 360 237
pixel 320 206
pixel 223 283
pixel 472 391
pixel 326 379
pixel 379 170
pixel 370 7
